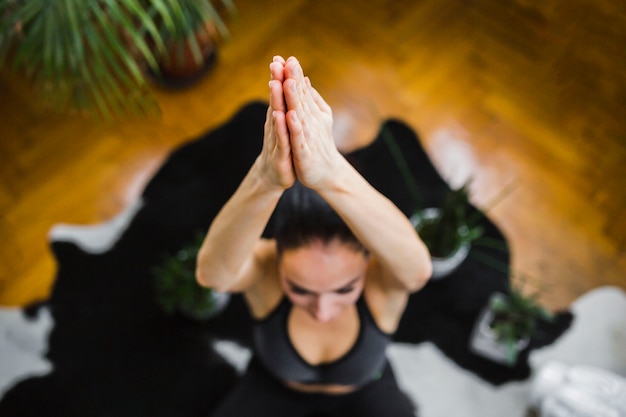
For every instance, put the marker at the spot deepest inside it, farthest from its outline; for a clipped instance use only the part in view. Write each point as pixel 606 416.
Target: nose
pixel 322 309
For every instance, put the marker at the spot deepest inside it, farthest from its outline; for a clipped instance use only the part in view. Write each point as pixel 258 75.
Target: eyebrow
pixel 349 284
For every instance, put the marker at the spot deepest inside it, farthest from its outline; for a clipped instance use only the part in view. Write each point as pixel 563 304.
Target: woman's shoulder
pixel 385 302
pixel 265 250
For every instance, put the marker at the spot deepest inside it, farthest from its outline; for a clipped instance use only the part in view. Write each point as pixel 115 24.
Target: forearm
pixel 380 226
pixel 234 233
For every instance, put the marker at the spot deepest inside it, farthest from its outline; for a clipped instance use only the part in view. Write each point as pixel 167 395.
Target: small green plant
pixel 453 225
pixel 515 318
pixel 456 221
pixel 177 290
pixel 516 315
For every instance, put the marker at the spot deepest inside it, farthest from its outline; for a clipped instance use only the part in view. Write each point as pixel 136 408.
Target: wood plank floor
pixel 523 92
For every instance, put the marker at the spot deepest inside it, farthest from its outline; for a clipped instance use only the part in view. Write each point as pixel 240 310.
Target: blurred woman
pixel 328 290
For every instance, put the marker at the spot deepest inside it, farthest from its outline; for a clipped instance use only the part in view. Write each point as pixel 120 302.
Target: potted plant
pixel 91 54
pixel 448 231
pixel 178 292
pixel 191 50
pixel 506 325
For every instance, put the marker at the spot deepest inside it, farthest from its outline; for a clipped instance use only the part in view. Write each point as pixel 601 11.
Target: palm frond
pixel 90 53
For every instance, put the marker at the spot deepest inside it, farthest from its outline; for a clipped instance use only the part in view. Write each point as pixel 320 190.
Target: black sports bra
pixel 363 363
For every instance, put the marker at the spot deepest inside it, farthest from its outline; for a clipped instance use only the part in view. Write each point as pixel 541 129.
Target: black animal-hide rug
pixel 116 353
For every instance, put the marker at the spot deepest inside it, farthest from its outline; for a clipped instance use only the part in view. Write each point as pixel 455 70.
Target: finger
pixel 294 70
pixel 303 86
pixel 275 130
pixel 282 145
pixel 295 89
pixel 277 97
pixel 319 100
pixel 292 65
pixel 292 98
pixel 277 71
pixel 296 133
pixel 268 129
pixel 307 94
pixel 279 59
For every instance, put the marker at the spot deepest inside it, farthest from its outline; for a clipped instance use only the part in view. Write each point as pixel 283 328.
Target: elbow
pixel 423 268
pixel 203 274
pixel 205 277
pixel 426 273
pixel 420 277
pixel 201 277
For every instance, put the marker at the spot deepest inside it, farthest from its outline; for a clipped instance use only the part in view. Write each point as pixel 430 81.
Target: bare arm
pixel 226 259
pixel 381 227
pixel 375 220
pixel 298 143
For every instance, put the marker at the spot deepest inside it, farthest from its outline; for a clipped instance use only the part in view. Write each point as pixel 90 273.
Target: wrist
pixel 264 180
pixel 338 176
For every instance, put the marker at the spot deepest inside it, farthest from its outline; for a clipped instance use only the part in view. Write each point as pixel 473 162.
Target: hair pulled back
pixel 302 216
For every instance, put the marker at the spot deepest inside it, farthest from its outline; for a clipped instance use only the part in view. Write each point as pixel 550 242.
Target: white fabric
pixel 23 346
pixel 97 238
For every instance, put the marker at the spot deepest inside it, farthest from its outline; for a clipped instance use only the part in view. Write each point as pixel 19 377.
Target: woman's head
pixel 323 278
pixel 302 217
pixel 322 264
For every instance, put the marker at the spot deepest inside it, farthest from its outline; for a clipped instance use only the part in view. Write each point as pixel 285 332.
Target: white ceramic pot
pixel 220 301
pixel 442 267
pixel 484 342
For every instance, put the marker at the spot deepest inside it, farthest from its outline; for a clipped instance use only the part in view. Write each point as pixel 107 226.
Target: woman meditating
pixel 328 290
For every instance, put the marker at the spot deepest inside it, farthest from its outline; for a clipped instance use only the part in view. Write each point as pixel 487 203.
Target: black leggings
pixel 259 394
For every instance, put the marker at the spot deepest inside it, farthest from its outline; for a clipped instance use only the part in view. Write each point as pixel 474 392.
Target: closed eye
pixel 299 291
pixel 345 290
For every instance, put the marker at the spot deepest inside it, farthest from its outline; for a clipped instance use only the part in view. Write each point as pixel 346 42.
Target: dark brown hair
pixel 303 216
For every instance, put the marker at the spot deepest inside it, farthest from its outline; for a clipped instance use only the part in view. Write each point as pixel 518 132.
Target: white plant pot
pixel 220 300
pixel 442 267
pixel 484 342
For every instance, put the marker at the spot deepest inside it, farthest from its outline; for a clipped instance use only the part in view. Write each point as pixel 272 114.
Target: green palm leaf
pixel 89 53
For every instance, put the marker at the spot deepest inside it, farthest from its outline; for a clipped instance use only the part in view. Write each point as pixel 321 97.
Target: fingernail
pixel 295 117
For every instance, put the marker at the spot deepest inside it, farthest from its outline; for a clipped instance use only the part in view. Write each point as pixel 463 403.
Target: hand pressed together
pixel 275 158
pixel 298 130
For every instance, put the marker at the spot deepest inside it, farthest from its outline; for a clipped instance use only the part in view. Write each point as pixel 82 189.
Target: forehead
pixel 322 267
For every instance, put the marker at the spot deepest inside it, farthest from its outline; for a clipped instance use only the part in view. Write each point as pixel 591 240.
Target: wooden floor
pixel 523 92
